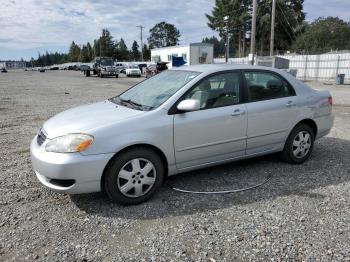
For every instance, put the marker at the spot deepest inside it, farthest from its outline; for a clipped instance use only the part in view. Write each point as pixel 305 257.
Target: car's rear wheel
pixel 134 176
pixel 299 144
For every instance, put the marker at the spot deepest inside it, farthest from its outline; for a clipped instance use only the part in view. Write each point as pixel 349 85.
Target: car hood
pixel 83 119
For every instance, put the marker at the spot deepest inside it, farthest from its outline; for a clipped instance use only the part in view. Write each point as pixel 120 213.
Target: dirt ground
pixel 302 213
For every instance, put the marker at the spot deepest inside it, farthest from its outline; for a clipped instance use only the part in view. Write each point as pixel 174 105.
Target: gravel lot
pixel 303 213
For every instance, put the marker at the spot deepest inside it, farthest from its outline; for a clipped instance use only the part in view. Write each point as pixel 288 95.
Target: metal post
pixel 272 39
pixel 141 27
pixel 337 69
pixel 227 44
pixel 253 32
pixel 305 68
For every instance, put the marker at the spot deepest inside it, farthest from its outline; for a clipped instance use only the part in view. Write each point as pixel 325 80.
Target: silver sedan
pixel 180 120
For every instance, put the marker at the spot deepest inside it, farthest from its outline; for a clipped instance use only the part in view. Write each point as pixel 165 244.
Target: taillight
pixel 330 100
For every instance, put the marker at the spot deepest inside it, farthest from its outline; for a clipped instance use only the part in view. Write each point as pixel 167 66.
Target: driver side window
pixel 217 91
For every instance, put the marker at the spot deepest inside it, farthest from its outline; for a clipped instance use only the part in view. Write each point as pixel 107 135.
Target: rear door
pixel 218 130
pixel 272 110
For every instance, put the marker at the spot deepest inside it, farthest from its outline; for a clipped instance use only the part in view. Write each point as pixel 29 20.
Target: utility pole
pixel 252 36
pixel 141 28
pixel 272 40
pixel 227 44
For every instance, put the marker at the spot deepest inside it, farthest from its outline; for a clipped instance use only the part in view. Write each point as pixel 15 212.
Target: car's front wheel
pixel 134 176
pixel 299 144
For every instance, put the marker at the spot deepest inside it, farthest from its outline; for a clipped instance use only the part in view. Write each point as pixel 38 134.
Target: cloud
pixel 323 8
pixel 34 24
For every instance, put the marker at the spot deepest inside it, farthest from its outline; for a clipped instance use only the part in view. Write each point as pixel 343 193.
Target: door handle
pixel 290 104
pixel 237 112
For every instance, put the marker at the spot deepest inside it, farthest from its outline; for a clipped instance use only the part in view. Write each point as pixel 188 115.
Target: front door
pixel 218 130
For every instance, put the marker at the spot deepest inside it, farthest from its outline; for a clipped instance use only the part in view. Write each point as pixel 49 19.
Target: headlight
pixel 70 143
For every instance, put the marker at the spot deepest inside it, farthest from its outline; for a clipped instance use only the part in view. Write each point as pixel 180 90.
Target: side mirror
pixel 189 105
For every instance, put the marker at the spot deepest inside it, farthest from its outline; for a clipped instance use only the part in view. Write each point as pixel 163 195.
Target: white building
pixel 193 54
pixel 12 64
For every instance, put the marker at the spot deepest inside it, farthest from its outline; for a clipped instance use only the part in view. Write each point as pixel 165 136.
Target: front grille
pixel 41 137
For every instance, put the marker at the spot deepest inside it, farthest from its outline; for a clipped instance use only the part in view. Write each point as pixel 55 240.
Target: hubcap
pixel 301 144
pixel 136 177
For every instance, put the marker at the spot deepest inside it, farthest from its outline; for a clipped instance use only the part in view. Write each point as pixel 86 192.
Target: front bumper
pixel 133 73
pixel 83 173
pixel 109 73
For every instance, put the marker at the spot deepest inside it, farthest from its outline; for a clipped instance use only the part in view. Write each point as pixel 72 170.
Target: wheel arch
pixel 155 149
pixel 311 123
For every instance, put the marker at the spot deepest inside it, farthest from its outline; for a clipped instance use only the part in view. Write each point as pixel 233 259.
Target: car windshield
pixel 107 62
pixel 153 92
pixel 133 66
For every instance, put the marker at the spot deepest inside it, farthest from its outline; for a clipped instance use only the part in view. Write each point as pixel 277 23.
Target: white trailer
pixel 193 54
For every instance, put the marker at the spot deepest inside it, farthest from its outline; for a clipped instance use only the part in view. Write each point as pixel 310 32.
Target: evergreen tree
pixel 123 53
pixel 146 53
pixel 106 44
pixel 135 53
pixel 89 52
pixel 74 52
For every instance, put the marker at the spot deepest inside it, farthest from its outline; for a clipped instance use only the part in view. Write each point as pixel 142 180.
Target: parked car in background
pixel 155 69
pixel 84 67
pixel 104 66
pixel 41 69
pixel 133 70
pixel 183 119
pixel 121 67
pixel 3 70
pixel 142 68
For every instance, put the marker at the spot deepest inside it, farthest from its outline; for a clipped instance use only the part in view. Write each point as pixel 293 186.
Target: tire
pixel 299 144
pixel 116 76
pixel 127 183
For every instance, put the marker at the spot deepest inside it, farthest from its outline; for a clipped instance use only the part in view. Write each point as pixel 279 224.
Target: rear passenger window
pixel 265 86
pixel 217 91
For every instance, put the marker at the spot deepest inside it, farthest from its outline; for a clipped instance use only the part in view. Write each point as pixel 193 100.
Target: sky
pixel 31 26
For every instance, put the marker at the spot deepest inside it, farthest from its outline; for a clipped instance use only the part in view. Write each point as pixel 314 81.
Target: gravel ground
pixel 301 214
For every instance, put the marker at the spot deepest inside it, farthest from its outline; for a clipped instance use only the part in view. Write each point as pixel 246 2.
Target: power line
pixel 285 18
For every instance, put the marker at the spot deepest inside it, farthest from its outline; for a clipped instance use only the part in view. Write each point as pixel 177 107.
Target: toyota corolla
pixel 180 120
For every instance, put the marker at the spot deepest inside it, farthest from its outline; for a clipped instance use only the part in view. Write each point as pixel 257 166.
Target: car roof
pixel 212 68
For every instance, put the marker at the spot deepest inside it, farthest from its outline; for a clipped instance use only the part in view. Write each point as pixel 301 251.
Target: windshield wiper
pixel 129 102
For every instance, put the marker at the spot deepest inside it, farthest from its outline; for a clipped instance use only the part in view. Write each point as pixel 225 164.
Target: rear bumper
pixel 133 74
pixel 324 125
pixel 83 173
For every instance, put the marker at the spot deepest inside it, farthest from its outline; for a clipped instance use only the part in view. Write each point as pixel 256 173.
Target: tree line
pixel 161 35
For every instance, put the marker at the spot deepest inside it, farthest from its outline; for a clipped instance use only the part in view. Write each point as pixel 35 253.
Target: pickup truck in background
pixel 102 66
